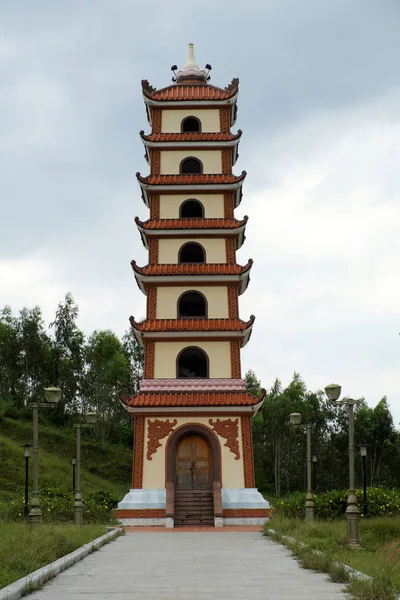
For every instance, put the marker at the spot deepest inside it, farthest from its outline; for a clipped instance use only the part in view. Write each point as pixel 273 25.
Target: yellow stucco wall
pixel 217 301
pixel 171 119
pixel 232 469
pixel 168 249
pixel 219 355
pixel 171 159
pixel 213 205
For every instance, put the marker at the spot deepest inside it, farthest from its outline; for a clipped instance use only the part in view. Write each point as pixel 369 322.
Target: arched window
pixel 192 363
pixel 190 125
pixel 192 253
pixel 191 209
pixel 191 166
pixel 192 304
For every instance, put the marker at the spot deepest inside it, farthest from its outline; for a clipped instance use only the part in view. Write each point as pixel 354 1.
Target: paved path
pixel 190 566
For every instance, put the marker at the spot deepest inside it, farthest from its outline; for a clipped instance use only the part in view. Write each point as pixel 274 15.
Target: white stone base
pixel 144 499
pixel 143 522
pixel 245 521
pixel 218 522
pixel 242 498
pixel 169 522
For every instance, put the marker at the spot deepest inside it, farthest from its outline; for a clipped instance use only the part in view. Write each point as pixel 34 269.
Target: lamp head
pixel 91 418
pixel 26 448
pixel 333 392
pixel 53 394
pixel 73 461
pixel 363 449
pixel 295 418
pixel 314 458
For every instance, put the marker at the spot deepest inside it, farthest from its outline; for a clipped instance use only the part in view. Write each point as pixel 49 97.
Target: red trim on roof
pixel 197 399
pixel 191 324
pixel 191 137
pixel 193 269
pixel 196 223
pixel 190 92
pixel 204 179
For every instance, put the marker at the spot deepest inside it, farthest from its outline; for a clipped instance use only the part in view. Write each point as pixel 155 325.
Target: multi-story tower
pixel 193 456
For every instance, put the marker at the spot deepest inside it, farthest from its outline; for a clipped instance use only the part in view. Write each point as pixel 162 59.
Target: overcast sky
pixel 319 105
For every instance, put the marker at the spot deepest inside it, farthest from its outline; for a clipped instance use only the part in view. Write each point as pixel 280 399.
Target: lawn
pixel 379 538
pixel 23 550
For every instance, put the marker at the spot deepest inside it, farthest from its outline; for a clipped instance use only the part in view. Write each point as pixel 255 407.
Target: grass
pixel 23 550
pixel 380 557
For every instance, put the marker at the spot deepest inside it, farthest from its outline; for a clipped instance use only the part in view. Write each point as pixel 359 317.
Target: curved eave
pixel 147 188
pixel 143 280
pixel 193 334
pixel 236 232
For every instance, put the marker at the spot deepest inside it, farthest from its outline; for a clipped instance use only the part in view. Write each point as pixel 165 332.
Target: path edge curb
pixel 18 588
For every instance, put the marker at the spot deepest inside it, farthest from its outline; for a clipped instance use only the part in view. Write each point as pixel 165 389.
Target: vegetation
pixel 23 550
pixel 380 558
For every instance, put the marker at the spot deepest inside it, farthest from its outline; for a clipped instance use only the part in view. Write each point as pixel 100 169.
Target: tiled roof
pixel 195 399
pixel 204 179
pixel 191 324
pixel 197 223
pixel 191 137
pixel 193 269
pixel 190 92
pixel 201 384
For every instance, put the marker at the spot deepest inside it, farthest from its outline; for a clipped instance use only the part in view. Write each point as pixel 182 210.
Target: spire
pixel 191 74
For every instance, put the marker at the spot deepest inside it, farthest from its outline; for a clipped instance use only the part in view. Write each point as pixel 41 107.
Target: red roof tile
pixel 196 223
pixel 196 399
pixel 191 137
pixel 191 324
pixel 190 92
pixel 204 179
pixel 192 269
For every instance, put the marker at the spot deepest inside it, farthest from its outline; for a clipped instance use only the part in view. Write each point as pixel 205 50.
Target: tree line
pixel 91 370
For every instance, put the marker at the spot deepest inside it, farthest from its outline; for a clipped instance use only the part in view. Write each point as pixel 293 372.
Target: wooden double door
pixel 193 463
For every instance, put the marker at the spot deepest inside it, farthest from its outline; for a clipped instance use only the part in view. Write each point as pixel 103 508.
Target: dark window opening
pixel 192 253
pixel 192 209
pixel 192 304
pixel 191 166
pixel 192 363
pixel 191 124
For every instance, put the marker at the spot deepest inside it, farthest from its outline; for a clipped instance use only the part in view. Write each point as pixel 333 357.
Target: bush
pixel 332 505
pixel 57 504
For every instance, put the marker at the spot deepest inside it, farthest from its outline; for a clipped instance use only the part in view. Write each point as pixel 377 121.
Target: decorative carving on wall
pixel 243 513
pixel 224 120
pixel 155 162
pixel 233 302
pixel 152 303
pixel 228 429
pixel 226 161
pixel 139 513
pixel 248 460
pixel 228 206
pixel 149 351
pixel 156 114
pixel 155 207
pixel 235 360
pixel 153 252
pixel 157 430
pixel 230 251
pixel 138 453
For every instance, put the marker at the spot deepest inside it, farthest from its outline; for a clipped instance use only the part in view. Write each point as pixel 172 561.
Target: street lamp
pixel 73 463
pixel 363 452
pixel 53 395
pixel 27 448
pixel 295 419
pixel 333 392
pixel 314 461
pixel 90 419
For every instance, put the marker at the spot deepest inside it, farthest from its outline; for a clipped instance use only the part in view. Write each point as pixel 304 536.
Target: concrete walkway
pixel 192 566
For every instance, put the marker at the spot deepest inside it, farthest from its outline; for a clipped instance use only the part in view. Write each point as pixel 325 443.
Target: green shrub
pixel 332 505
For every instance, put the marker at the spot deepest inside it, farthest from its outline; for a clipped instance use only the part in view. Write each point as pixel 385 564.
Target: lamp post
pixel 333 392
pixel 314 461
pixel 363 452
pixel 27 453
pixel 90 419
pixel 73 463
pixel 295 419
pixel 52 395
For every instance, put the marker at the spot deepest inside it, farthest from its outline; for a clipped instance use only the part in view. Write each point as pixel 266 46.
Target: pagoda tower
pixel 193 453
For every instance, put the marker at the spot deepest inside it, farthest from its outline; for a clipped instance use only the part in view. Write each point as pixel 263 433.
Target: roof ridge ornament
pixel 191 74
